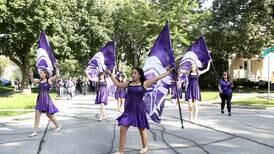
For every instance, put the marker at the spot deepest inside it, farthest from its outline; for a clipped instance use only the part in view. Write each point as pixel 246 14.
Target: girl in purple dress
pixel 135 114
pixel 120 93
pixel 225 88
pixel 193 93
pixel 102 95
pixel 179 90
pixel 44 103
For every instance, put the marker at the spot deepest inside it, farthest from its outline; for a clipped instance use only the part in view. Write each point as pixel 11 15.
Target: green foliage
pixel 241 26
pixel 71 68
pixel 138 23
pixel 20 25
pixel 244 27
pixel 76 29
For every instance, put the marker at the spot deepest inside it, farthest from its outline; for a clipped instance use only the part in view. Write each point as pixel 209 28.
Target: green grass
pixel 209 95
pixel 18 101
pixel 6 89
pixel 250 90
pixel 11 113
pixel 254 101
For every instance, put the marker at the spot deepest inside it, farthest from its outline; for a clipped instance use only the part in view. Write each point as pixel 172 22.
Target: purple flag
pixel 45 57
pixel 102 60
pixel 198 54
pixel 162 48
pixel 160 56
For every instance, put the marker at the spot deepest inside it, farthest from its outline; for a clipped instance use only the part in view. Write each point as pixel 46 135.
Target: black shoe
pixel 229 114
pixel 222 112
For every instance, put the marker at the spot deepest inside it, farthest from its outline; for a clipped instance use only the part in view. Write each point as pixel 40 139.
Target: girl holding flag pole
pixel 193 93
pixel 135 113
pixel 44 103
pixel 195 62
pixel 45 64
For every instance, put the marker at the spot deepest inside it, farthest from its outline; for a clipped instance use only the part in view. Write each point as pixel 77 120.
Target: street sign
pixel 268 50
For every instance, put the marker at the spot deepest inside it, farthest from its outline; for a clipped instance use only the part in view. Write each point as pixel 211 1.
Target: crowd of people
pixel 71 86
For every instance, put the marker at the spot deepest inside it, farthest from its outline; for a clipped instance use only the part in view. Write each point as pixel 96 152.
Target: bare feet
pixel 104 117
pixel 144 150
pixel 33 134
pixel 57 129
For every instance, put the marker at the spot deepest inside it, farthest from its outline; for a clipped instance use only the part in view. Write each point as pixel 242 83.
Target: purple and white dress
pixel 44 103
pixel 135 114
pixel 193 89
pixel 102 93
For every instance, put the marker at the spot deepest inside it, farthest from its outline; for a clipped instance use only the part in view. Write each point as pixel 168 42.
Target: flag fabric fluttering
pixel 102 60
pixel 160 56
pixel 45 57
pixel 198 54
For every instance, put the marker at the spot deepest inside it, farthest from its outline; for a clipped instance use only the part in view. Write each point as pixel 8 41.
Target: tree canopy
pixel 78 28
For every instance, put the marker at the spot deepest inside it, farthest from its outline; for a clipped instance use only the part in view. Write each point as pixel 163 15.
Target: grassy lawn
pixel 11 113
pixel 206 95
pixel 18 101
pixel 254 101
pixel 6 89
pixel 209 95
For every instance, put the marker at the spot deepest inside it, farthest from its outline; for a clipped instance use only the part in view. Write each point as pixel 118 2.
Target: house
pixel 11 73
pixel 253 69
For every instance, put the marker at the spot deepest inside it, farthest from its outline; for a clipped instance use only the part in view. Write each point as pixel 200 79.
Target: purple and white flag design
pixel 102 60
pixel 197 54
pixel 160 56
pixel 45 57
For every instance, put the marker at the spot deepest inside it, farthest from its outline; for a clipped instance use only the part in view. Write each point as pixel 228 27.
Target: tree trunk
pixel 24 65
pixel 26 88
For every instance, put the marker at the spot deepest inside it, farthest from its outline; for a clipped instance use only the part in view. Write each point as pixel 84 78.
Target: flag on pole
pixel 45 57
pixel 102 60
pixel 198 54
pixel 160 56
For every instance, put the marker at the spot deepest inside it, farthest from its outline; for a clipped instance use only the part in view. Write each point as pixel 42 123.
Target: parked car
pixel 4 82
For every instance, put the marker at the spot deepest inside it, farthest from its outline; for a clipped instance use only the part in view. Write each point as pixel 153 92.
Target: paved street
pixel 246 131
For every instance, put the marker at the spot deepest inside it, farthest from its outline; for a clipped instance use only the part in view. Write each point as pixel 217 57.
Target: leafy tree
pixel 21 22
pixel 138 23
pixel 243 27
pixel 75 29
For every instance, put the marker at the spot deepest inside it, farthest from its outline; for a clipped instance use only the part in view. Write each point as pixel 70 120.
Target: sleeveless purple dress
pixel 102 93
pixel 193 88
pixel 120 93
pixel 179 90
pixel 44 103
pixel 135 113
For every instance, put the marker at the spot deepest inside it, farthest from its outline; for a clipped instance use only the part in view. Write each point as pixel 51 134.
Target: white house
pixel 253 69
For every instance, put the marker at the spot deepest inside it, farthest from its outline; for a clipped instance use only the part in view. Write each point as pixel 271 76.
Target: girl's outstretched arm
pixel 116 82
pixel 150 82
